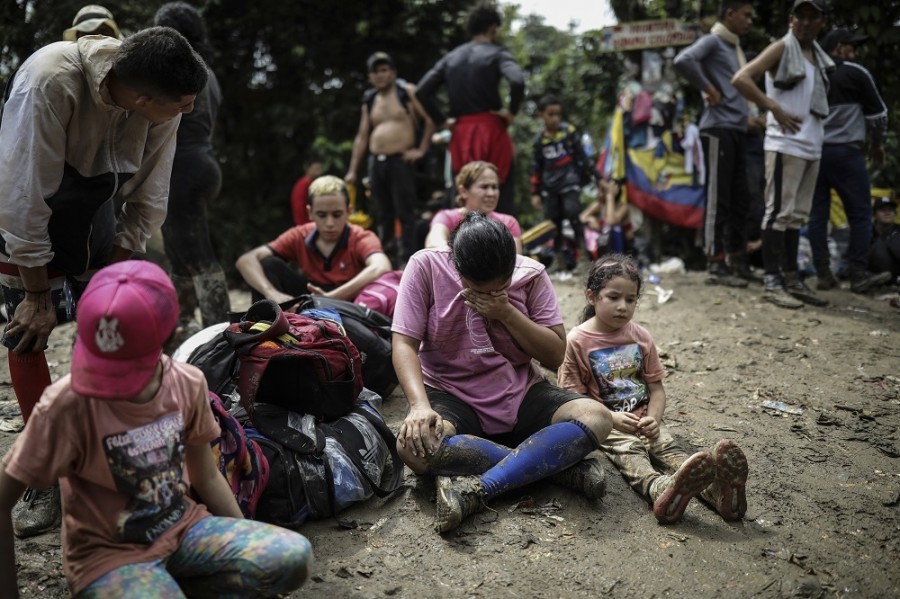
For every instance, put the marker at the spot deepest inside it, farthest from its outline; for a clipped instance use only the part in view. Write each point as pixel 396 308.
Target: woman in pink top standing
pixel 478 190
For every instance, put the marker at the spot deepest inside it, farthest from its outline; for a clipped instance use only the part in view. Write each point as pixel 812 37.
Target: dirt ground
pixel 823 493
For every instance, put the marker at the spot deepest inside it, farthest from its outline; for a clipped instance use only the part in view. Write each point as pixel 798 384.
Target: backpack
pixel 368 99
pixel 319 468
pixel 402 95
pixel 370 332
pixel 381 294
pixel 211 352
pixel 294 361
pixel 239 458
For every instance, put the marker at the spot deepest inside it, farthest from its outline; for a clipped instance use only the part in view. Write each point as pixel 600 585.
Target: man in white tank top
pixel 795 96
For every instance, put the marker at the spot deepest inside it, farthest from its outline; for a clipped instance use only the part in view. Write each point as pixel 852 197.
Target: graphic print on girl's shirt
pixel 146 464
pixel 618 374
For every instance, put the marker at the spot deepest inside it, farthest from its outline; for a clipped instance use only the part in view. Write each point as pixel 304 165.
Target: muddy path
pixel 824 490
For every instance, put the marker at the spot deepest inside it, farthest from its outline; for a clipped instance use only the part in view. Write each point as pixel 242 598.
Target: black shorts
pixel 535 413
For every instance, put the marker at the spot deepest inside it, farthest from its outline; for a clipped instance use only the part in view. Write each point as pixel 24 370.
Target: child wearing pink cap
pixel 121 432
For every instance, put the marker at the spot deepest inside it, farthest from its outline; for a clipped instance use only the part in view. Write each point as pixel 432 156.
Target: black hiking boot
pixel 794 285
pixel 740 266
pixel 719 273
pixel 825 280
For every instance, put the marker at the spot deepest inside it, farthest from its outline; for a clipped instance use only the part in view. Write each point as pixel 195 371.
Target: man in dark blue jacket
pixel 855 106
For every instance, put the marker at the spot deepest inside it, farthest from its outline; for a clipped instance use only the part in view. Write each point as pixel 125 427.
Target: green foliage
pixel 293 74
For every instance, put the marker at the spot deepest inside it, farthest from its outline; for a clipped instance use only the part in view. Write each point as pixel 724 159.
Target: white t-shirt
pixel 807 142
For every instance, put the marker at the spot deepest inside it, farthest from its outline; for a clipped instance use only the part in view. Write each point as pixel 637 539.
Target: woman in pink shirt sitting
pixel 473 320
pixel 478 190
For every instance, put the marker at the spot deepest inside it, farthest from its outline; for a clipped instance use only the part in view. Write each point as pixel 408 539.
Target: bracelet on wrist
pixel 41 292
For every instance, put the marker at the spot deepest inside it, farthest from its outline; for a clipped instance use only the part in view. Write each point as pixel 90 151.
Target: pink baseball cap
pixel 126 313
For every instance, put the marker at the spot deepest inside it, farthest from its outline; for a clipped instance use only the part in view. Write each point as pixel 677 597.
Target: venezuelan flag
pixel 657 182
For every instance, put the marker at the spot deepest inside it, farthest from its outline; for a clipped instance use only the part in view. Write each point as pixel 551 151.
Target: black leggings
pixel 284 277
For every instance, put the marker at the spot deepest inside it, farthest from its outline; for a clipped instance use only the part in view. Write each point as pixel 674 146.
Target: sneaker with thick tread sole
pixel 730 484
pixel 587 476
pixel 458 497
pixel 695 474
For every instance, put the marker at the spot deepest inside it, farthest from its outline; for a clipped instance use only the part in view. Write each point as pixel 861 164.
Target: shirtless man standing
pixel 388 124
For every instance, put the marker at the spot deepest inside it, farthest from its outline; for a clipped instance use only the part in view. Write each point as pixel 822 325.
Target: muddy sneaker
pixel 774 293
pixel 739 263
pixel 37 512
pixel 729 489
pixel 719 273
pixel 800 290
pixel 694 475
pixel 825 281
pixel 587 476
pixel 458 497
pixel 860 282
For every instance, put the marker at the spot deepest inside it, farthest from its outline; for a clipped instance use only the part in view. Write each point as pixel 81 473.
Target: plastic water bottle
pixel 588 144
pixel 650 277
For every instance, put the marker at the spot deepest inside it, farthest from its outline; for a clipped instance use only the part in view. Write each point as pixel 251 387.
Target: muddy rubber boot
pixel 559 263
pixel 212 295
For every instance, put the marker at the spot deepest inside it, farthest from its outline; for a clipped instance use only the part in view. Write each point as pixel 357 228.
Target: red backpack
pixel 306 365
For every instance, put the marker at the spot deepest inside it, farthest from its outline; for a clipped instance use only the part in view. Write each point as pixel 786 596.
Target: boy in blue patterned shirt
pixel 559 169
